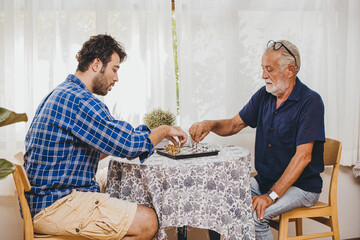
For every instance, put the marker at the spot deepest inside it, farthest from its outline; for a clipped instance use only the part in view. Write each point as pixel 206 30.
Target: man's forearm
pixel 296 166
pixel 228 127
pixel 158 134
pixel 168 132
pixel 222 127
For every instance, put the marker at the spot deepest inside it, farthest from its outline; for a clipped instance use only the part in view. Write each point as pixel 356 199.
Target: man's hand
pixel 260 203
pixel 176 131
pixel 168 132
pixel 223 127
pixel 198 131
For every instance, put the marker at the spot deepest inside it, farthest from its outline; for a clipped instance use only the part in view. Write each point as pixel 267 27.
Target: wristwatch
pixel 273 195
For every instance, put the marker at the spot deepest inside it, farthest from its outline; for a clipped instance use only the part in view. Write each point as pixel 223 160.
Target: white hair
pixel 286 57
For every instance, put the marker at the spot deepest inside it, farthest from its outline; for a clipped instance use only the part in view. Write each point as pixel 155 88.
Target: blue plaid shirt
pixel 70 129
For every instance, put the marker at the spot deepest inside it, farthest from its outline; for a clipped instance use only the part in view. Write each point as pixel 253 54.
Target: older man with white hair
pixel 290 136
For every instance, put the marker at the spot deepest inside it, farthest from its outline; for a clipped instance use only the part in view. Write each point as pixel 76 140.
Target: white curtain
pixel 40 38
pixel 220 44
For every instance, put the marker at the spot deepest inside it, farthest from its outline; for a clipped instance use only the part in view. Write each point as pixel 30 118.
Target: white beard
pixel 279 89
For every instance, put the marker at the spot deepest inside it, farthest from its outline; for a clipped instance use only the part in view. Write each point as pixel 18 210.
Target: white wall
pixel 11 225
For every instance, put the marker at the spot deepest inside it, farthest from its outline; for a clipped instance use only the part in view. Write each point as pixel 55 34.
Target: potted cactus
pixel 8 117
pixel 158 117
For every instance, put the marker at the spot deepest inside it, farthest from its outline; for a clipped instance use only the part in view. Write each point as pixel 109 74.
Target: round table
pixel 207 192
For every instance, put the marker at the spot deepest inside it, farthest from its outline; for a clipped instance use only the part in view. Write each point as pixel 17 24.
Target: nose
pixel 116 77
pixel 265 74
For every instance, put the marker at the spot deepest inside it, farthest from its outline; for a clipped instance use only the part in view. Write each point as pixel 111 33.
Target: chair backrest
pixel 22 185
pixel 332 155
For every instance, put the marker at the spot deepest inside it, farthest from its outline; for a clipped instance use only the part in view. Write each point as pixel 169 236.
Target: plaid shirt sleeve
pixel 95 126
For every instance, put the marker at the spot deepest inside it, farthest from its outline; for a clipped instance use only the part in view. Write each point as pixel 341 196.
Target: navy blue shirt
pixel 298 120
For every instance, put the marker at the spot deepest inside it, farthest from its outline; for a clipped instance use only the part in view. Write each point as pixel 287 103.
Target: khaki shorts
pixel 86 215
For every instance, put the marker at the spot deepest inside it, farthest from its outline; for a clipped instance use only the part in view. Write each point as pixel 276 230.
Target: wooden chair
pixel 22 185
pixel 320 212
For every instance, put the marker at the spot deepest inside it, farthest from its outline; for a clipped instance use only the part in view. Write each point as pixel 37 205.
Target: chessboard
pixel 188 152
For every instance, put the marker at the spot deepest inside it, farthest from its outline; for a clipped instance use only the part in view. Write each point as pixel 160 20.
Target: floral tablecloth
pixel 207 192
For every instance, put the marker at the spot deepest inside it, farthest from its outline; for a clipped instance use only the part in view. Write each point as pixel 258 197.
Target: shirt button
pixel 97 202
pixel 269 145
pixel 77 230
pixel 275 112
pixel 272 129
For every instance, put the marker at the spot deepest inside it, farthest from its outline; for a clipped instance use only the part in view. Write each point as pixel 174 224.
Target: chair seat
pixel 53 237
pixel 49 237
pixel 319 209
pixel 318 204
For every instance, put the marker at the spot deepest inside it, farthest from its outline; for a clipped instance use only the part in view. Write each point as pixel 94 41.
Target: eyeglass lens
pixel 277 45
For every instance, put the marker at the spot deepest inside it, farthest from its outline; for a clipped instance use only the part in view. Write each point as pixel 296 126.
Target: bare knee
pixel 145 223
pixel 150 221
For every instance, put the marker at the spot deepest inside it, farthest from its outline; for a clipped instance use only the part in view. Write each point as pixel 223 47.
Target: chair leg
pixel 283 227
pixel 299 230
pixel 335 225
pixel 182 233
pixel 214 235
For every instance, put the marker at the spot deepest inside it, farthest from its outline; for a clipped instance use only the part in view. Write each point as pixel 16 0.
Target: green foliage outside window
pixel 174 37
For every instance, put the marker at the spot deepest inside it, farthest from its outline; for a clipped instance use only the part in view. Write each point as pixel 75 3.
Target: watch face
pixel 273 195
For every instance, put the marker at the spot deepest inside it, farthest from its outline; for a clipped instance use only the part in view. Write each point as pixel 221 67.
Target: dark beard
pixel 99 85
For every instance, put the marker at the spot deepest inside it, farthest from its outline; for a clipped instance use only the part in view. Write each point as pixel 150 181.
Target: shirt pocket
pixel 286 131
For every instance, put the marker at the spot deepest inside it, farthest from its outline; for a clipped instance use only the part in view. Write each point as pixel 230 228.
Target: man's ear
pixel 96 65
pixel 291 70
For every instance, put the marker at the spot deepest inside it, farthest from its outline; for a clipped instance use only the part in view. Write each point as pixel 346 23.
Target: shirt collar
pixel 73 78
pixel 296 92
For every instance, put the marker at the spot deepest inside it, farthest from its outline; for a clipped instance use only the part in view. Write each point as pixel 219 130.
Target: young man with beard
pixel 290 136
pixel 70 132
